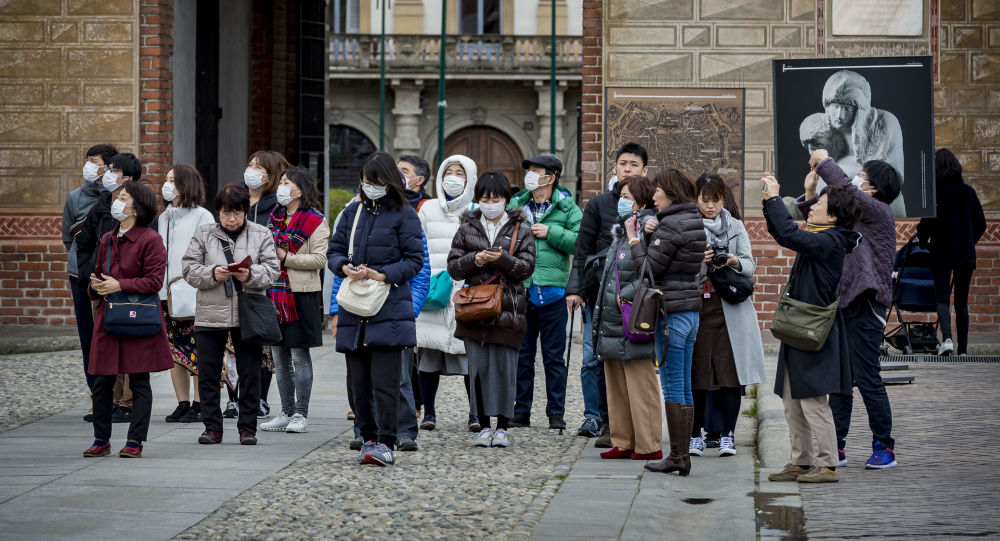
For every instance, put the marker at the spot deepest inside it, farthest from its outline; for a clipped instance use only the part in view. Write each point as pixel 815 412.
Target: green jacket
pixel 554 253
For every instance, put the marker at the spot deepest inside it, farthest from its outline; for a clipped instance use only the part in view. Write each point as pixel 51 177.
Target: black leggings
pixel 725 401
pixel 484 420
pixel 942 290
pixel 429 382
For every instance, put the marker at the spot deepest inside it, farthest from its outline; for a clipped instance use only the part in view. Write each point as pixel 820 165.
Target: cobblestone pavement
pixel 947 432
pixel 448 489
pixel 36 385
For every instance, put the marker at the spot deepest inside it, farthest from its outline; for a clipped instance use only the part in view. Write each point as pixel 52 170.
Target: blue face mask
pixel 624 207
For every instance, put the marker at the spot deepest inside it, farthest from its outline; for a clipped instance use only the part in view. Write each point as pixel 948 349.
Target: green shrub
pixel 338 200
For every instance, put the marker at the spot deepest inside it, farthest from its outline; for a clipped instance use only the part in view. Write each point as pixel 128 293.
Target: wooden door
pixel 490 148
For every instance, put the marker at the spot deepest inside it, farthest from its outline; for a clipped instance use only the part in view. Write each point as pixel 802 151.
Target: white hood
pixel 463 202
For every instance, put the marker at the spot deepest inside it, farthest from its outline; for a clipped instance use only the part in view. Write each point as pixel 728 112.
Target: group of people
pixel 467 281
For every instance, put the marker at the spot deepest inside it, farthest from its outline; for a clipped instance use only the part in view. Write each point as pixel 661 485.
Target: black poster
pixel 858 109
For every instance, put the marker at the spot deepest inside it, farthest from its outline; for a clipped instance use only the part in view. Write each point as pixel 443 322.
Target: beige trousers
pixel 809 417
pixel 634 405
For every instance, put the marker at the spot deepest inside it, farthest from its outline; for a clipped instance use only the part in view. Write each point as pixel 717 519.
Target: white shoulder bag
pixel 363 297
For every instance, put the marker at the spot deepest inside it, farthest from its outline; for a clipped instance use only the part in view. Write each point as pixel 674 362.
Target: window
pixel 348 150
pixel 346 16
pixel 479 16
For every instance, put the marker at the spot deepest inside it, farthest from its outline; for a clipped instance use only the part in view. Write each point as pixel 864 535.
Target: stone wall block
pixel 985 10
pixel 941 99
pixel 802 10
pixel 786 36
pixel 994 100
pixel 756 98
pixel 760 130
pixel 971 161
pixel 63 32
pixel 66 157
pixel 953 68
pixel 107 32
pixel 29 63
pixel 663 36
pixel 953 10
pixel 646 10
pixel 754 161
pixel 966 37
pixel 949 131
pixel 29 127
pixel 993 37
pixel 985 68
pixel 22 158
pixel 31 7
pixel 652 67
pixel 99 94
pixel 28 189
pixel 697 36
pixel 753 10
pixel 61 94
pixel 111 126
pixel 969 99
pixel 100 7
pixel 750 67
pixel 741 36
pixel 986 132
pixel 109 63
pixel 22 31
pixel 993 161
pixel 26 94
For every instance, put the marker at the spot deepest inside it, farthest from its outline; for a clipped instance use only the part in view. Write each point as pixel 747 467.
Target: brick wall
pixel 592 128
pixel 156 119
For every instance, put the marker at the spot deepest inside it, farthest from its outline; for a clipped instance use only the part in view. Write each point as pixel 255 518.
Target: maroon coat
pixel 138 262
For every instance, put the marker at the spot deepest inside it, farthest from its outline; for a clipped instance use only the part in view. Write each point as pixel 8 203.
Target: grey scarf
pixel 716 228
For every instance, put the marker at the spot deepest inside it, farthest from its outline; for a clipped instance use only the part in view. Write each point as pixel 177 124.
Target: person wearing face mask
pixel 804 379
pixel 592 243
pixel 387 248
pixel 131 259
pixel 555 222
pixel 633 390
pixel 184 193
pixel 483 251
pixel 121 168
pixel 261 177
pixel 715 364
pixel 439 351
pixel 79 202
pixel 865 290
pixel 300 236
pixel 206 267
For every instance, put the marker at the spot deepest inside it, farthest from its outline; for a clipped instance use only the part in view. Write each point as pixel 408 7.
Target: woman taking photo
pixel 216 317
pixel 486 251
pixel 184 193
pixel 300 236
pixel 387 247
pixel 676 249
pixel 804 379
pixel 633 391
pixel 137 265
pixel 715 364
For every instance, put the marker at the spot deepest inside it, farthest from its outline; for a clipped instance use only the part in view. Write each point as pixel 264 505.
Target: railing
pixel 468 53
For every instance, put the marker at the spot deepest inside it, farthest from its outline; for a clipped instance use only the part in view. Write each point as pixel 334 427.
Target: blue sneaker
pixel 882 457
pixel 380 455
pixel 366 448
pixel 591 428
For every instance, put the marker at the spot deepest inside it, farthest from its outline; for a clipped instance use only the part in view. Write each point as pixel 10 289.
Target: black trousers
pixel 84 322
pixel 864 319
pixel 142 406
pixel 942 290
pixel 374 375
pixel 211 345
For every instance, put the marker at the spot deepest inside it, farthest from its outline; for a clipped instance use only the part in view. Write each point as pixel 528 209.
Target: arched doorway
pixel 348 150
pixel 490 148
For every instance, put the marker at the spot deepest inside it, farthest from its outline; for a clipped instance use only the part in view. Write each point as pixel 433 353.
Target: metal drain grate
pixel 990 359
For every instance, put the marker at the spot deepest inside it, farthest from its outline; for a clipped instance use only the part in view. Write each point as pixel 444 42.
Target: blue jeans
pixel 675 370
pixel 549 321
pixel 84 322
pixel 406 422
pixel 595 394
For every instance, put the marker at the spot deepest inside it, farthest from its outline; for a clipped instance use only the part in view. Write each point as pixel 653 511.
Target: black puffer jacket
pixel 99 221
pixel 594 238
pixel 610 343
pixel 509 327
pixel 676 250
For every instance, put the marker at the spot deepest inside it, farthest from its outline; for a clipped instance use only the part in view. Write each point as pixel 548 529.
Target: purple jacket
pixel 869 266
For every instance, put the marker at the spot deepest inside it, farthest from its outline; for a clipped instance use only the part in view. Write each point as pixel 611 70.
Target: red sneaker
pixel 132 449
pixel 99 448
pixel 209 437
pixel 648 456
pixel 617 453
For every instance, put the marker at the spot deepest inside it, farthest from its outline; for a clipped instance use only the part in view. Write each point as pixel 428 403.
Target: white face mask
pixel 531 179
pixel 374 191
pixel 858 181
pixel 90 172
pixel 493 210
pixel 410 182
pixel 110 181
pixel 253 179
pixel 453 185
pixel 284 195
pixel 167 191
pixel 118 210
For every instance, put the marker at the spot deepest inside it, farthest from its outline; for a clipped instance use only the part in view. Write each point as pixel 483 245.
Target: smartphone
pixel 494 249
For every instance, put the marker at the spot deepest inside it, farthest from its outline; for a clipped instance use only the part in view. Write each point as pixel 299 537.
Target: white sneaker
pixel 277 424
pixel 727 446
pixel 697 446
pixel 501 438
pixel 485 438
pixel 947 348
pixel 298 424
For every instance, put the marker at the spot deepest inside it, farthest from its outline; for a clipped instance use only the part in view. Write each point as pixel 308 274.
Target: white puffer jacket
pixel 177 225
pixel 440 220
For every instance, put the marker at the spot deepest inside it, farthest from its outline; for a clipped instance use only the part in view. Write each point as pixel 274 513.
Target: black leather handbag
pixel 732 286
pixel 258 318
pixel 135 315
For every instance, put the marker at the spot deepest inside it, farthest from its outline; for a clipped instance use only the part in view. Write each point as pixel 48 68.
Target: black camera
pixel 720 254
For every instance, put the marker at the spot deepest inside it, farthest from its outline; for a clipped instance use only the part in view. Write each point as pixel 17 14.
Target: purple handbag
pixel 626 309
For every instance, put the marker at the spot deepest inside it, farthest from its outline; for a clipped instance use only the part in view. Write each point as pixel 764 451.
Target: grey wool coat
pixel 610 343
pixel 741 318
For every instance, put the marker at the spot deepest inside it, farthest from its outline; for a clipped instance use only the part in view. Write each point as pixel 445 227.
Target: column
pixel 406 114
pixel 544 118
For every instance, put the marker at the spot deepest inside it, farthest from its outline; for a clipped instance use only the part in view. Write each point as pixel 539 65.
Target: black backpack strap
pixel 107 260
pixel 228 251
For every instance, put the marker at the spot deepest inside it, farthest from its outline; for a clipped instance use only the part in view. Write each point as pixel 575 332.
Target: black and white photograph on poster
pixel 858 110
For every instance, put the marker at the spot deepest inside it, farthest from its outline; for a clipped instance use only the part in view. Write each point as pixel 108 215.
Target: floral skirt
pixel 180 336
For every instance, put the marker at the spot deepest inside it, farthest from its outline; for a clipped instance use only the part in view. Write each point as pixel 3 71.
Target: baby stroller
pixel 912 291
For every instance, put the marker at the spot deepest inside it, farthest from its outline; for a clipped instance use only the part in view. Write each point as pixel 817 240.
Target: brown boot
pixel 680 432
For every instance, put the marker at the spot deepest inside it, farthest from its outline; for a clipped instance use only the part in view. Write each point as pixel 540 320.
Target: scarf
pixel 716 228
pixel 289 236
pixel 813 228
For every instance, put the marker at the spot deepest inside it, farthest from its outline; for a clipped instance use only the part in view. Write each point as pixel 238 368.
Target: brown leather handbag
pixel 645 304
pixel 474 303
